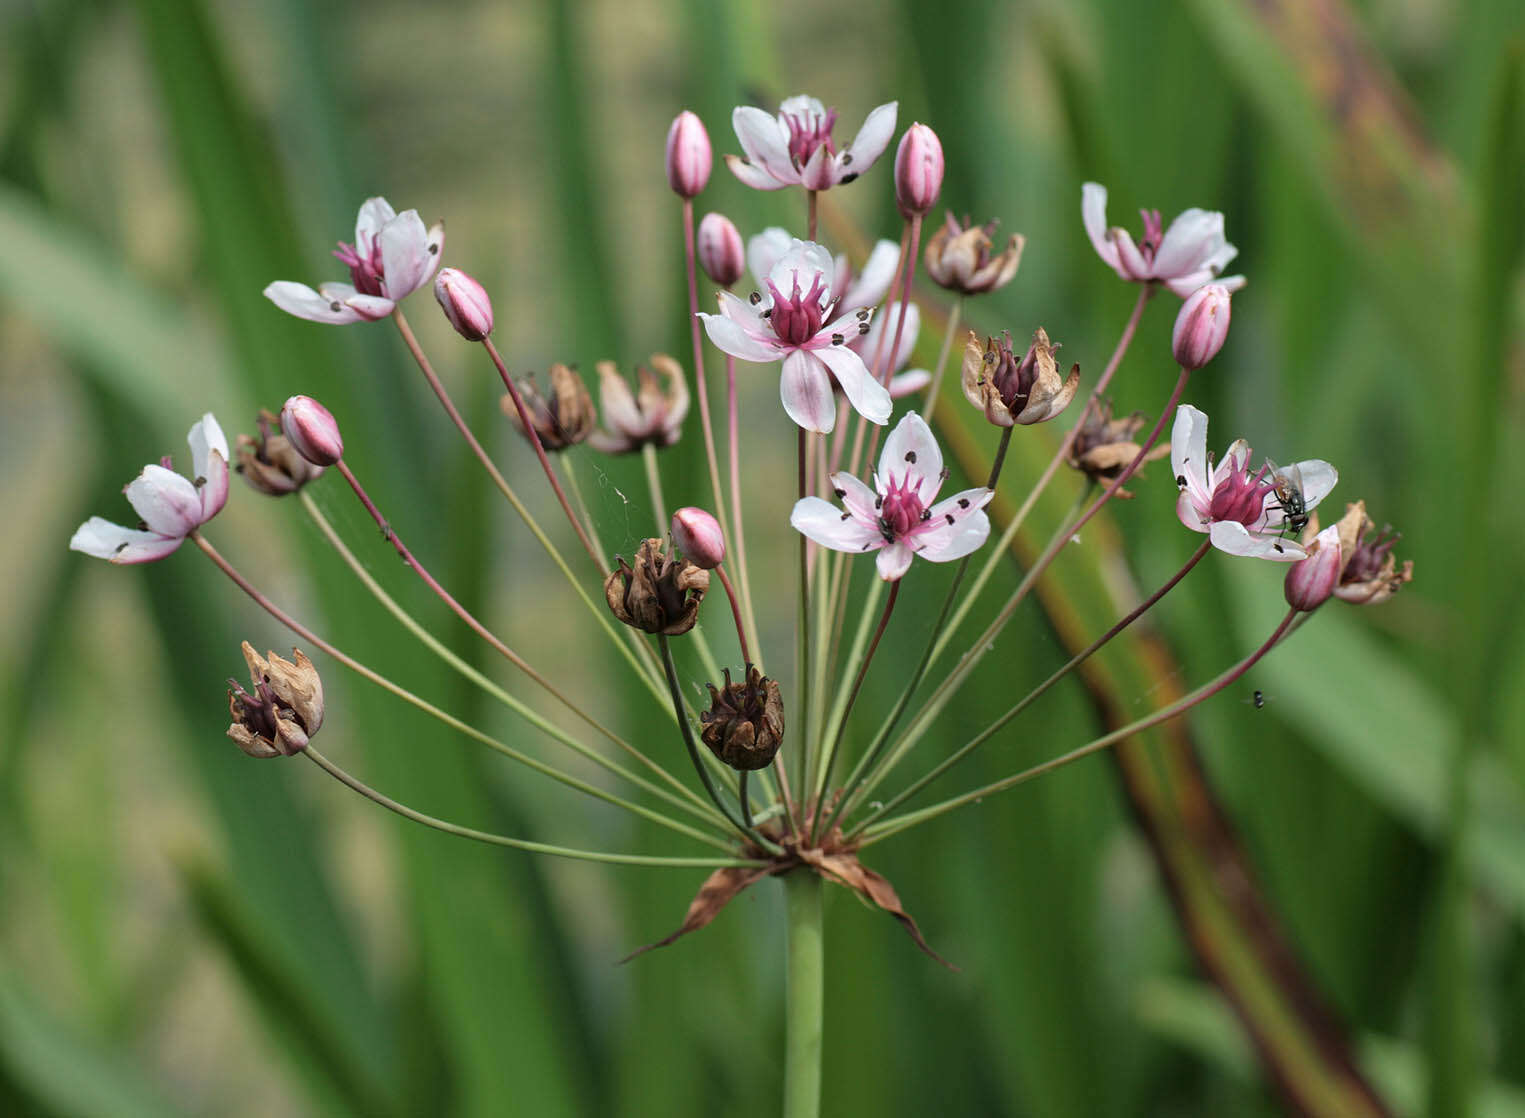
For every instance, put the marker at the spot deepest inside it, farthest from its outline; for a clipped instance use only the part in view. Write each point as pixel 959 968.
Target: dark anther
pixel 910 456
pixel 963 502
pixel 926 514
pixel 1276 547
pixel 434 250
pixel 335 307
pixel 767 313
pixel 863 315
pixel 848 178
pixel 837 339
pixel 755 297
pixel 878 502
pixel 847 516
pixel 862 328
pixel 847 158
pixel 949 517
pixel 840 493
pixel 1181 481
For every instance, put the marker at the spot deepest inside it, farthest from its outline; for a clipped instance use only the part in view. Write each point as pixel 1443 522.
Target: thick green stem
pixel 804 1010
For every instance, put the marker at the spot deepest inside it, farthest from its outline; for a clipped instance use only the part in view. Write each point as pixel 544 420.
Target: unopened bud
pixel 312 430
pixel 1201 326
pixel 1311 581
pixel 658 594
pixel 744 725
pixel 918 170
pixel 285 709
pixel 465 303
pixel 268 461
pixel 689 155
pixel 699 537
pixel 720 250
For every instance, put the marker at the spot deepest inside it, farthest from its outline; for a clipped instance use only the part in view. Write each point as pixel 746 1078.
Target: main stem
pixel 805 995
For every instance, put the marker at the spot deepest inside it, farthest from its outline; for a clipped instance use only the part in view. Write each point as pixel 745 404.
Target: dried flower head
pixel 1371 573
pixel 744 725
pixel 958 257
pixel 1103 447
pixel 1012 391
pixel 653 414
pixel 268 461
pixel 285 710
pixel 564 418
pixel 659 593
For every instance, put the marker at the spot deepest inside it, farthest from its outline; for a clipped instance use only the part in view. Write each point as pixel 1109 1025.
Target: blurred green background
pixel 186 931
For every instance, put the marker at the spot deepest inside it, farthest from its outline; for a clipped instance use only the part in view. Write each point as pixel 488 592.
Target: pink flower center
pixel 807 132
pixel 797 318
pixel 1154 233
pixel 1241 496
pixel 900 509
pixel 366 271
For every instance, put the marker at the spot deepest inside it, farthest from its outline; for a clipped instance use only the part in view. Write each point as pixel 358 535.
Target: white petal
pixel 1191 511
pixel 753 175
pixel 1131 264
pixel 859 499
pixel 804 106
pixel 881 332
pixel 374 213
pixel 874 281
pixel 167 502
pixel 804 260
pixel 105 540
pixel 1233 283
pixel 912 449
pixel 731 337
pixel 820 171
pixel 953 541
pixel 205 437
pixel 805 390
pixel 823 522
pixel 1316 478
pixel 209 459
pixel 869 398
pixel 871 140
pixel 406 261
pixel 1093 212
pixel 909 382
pixel 894 561
pixel 1188 449
pixel 1192 239
pixel 764 141
pixel 304 302
pixel 1236 539
pixel 764 251
pixel 618 402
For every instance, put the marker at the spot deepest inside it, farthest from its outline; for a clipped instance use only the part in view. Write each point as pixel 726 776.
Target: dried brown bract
pixel 1011 390
pixel 744 725
pixel 1104 447
pixel 563 419
pixel 958 257
pixel 1371 573
pixel 285 709
pixel 268 461
pixel 658 593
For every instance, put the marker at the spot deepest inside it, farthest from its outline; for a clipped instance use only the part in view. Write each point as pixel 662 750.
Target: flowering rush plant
pixel 781 773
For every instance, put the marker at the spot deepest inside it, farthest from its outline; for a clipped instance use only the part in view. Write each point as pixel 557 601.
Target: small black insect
pixel 1288 491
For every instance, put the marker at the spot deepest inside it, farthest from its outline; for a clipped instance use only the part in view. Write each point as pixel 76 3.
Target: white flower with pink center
pixel 793 322
pixel 795 148
pixel 392 257
pixel 900 517
pixel 1191 252
pixel 172 507
pixel 1242 512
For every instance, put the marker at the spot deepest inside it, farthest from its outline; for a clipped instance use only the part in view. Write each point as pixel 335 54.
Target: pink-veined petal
pixel 370 308
pixel 858 498
pixel 1190 242
pixel 1188 451
pixel 1093 212
pixel 374 213
pixel 764 142
pixel 871 140
pixel 894 561
pixel 209 461
pixel 824 523
pixel 909 382
pixel 911 448
pixel 166 502
pixel 1234 538
pixel 820 171
pixel 300 300
pixel 407 261
pixel 1191 512
pixel 1131 264
pixel 953 541
pixel 869 398
pixel 764 251
pixel 731 337
pixel 805 390
pixel 102 539
pixel 750 174
pixel 873 282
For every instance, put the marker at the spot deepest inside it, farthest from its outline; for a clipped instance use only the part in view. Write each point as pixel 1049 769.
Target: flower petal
pixel 104 540
pixel 874 280
pixel 750 174
pixel 953 541
pixel 1190 242
pixel 209 461
pixel 1316 478
pixel 871 140
pixel 824 523
pixel 805 260
pixel 909 382
pixel 1192 512
pixel 805 390
pixel 374 213
pixel 167 502
pixel 618 403
pixel 820 171
pixel 881 331
pixel 765 142
pixel 911 448
pixel 731 337
pixel 1188 451
pixel 894 561
pixel 408 257
pixel 869 398
pixel 1093 212
pixel 300 300
pixel 858 498
pixel 1131 264
pixel 765 250
pixel 1236 539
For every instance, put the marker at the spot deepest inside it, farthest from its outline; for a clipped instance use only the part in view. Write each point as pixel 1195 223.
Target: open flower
pixel 793 323
pixel 392 257
pixel 1184 257
pixel 171 506
pixel 867 288
pixel 795 147
pixel 1243 513
pixel 897 517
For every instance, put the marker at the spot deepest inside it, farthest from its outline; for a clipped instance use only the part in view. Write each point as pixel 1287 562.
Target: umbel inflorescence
pixel 780 773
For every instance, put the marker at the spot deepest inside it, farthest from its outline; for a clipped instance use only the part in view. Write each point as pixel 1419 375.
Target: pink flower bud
pixel 465 303
pixel 1311 581
pixel 312 431
pixel 918 170
pixel 699 537
pixel 720 251
pixel 689 156
pixel 1201 326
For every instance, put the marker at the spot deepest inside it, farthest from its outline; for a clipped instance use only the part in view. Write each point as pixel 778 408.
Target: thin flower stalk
pixel 695 804
pixel 951 331
pixel 738 532
pixel 887 368
pixel 654 484
pixel 712 460
pixel 608 858
pixel 884 829
pixel 583 511
pixel 875 363
pixel 435 712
